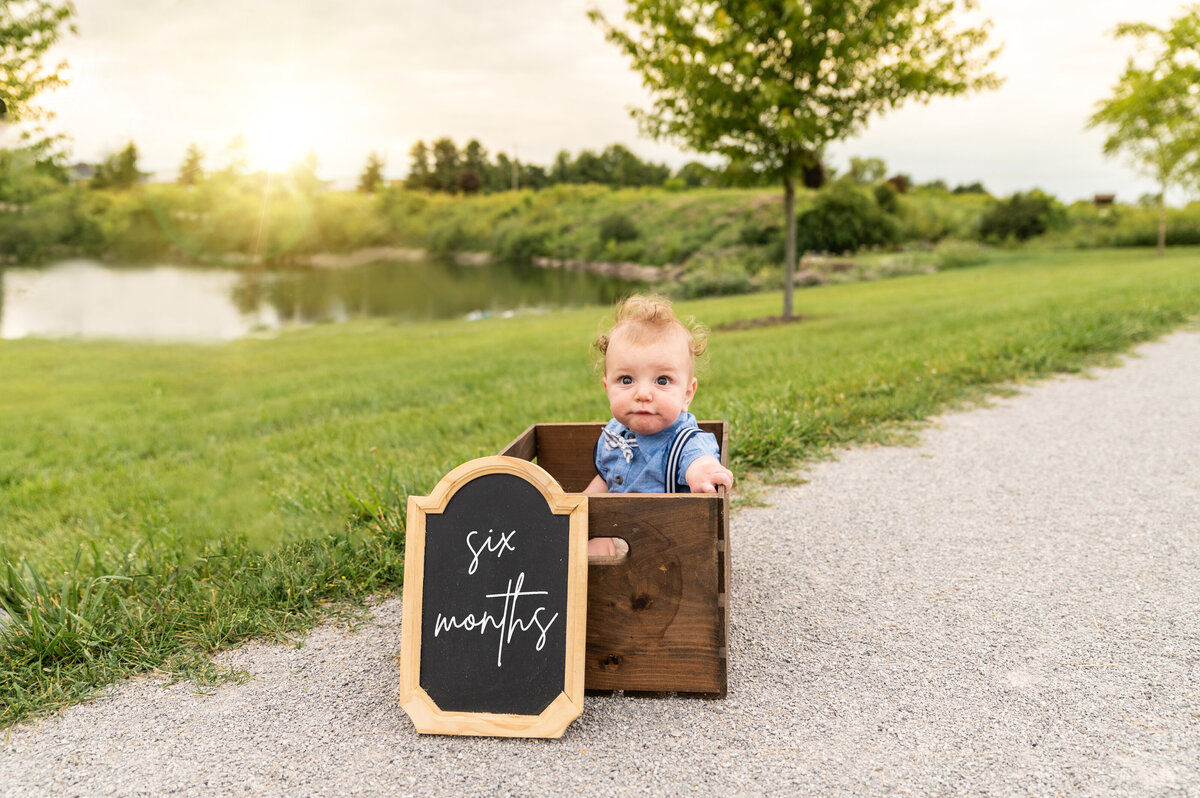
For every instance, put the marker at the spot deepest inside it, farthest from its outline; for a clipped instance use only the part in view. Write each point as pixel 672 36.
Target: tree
pixel 770 83
pixel 234 157
pixel 469 182
pixel 193 166
pixel 589 168
pixel 560 172
pixel 695 174
pixel 970 188
pixel 502 175
pixel 419 174
pixel 534 176
pixel 474 161
pixel 865 171
pixel 24 177
pixel 1154 111
pixel 304 175
pixel 119 171
pixel 445 165
pixel 621 166
pixel 27 31
pixel 372 175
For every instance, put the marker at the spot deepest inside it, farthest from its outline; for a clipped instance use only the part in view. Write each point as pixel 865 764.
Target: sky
pixel 533 77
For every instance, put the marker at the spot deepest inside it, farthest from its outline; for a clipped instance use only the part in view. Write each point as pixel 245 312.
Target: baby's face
pixel 648 382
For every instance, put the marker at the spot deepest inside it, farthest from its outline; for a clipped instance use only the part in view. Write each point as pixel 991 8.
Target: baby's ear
pixel 691 391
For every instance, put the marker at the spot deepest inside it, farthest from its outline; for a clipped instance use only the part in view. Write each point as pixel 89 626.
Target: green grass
pixel 161 502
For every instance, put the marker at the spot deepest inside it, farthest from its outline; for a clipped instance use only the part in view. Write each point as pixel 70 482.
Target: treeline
pixel 442 166
pixel 727 239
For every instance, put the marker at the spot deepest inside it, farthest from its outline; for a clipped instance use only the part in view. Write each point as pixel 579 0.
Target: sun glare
pixel 279 135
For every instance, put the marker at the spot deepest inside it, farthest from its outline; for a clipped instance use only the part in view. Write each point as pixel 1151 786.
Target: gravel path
pixel 1011 607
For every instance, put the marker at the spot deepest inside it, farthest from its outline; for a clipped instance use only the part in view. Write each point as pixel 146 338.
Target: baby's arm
pixel 705 473
pixel 597 485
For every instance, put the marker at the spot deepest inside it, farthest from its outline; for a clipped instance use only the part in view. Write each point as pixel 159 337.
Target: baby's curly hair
pixel 649 316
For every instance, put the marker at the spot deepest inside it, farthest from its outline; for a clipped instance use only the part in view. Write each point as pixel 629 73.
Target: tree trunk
pixel 789 252
pixel 1162 221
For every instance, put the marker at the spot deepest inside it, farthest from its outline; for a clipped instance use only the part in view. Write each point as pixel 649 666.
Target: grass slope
pixel 160 502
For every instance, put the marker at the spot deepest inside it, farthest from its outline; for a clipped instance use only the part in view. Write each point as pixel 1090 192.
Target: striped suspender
pixel 671 478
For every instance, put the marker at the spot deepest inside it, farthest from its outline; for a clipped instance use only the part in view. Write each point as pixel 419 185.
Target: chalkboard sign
pixel 495 603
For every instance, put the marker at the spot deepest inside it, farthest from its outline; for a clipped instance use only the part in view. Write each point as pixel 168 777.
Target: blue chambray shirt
pixel 644 474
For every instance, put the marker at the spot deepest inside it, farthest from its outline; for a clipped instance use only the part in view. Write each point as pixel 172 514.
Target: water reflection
pixel 87 299
pixel 83 299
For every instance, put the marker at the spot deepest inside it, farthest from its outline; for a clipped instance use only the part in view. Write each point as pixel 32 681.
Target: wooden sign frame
pixel 424 712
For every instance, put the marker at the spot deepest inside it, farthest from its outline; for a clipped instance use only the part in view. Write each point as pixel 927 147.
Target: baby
pixel 652 444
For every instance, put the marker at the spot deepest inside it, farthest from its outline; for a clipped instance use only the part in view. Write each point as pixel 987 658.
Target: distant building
pixel 80 172
pixel 1104 200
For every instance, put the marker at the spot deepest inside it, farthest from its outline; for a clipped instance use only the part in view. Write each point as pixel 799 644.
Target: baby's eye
pixel 627 380
pixel 663 380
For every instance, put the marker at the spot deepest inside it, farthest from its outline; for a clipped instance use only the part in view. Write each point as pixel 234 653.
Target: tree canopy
pixel 27 31
pixel 119 170
pixel 1153 114
pixel 371 178
pixel 771 82
pixel 192 168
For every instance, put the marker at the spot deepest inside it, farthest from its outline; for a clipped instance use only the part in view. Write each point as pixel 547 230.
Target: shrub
pixel 515 241
pixel 1021 217
pixel 447 236
pixel 753 235
pixel 617 227
pixel 844 219
pixel 713 278
pixel 899 182
pixel 887 197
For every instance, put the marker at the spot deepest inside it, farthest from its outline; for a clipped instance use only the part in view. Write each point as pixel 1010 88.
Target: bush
pixel 617 227
pixel 515 241
pixel 1021 217
pixel 887 197
pixel 753 235
pixel 844 219
pixel 447 236
pixel 713 278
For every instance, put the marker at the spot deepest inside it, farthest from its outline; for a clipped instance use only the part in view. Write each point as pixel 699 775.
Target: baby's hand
pixel 705 473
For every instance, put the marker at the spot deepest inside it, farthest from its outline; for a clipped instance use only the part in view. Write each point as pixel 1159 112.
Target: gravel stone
pixel 1012 606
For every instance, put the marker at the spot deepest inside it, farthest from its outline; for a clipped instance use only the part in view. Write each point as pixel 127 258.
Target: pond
pixel 89 299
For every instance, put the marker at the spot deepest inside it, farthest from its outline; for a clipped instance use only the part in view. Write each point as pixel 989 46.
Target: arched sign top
pixel 495 593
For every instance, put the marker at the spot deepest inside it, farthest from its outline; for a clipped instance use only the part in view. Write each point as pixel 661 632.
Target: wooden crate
pixel 659 621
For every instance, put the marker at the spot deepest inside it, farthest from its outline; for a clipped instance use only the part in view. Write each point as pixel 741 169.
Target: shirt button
pixel 619 481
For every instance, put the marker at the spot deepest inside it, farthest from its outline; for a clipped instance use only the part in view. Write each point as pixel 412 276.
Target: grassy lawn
pixel 160 502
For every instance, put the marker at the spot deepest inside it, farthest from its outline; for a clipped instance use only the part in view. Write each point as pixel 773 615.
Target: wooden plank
pixel 655 622
pixel 524 445
pixel 724 569
pixel 566 451
pixel 719 430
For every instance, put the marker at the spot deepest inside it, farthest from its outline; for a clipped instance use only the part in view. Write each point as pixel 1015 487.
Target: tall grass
pixel 161 502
